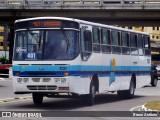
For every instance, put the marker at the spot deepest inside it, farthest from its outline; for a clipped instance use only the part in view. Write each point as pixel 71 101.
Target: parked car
pixel 154 77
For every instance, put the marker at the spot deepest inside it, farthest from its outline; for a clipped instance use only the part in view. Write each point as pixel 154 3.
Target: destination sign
pixel 46 24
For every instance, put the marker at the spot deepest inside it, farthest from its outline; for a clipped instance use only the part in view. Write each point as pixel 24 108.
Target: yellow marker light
pixel 66 73
pixel 90 77
pixel 17 74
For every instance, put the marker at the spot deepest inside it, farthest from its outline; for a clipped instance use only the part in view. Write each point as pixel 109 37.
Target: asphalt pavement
pixel 105 102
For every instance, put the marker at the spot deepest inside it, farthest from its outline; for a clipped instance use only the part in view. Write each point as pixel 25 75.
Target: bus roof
pixel 81 21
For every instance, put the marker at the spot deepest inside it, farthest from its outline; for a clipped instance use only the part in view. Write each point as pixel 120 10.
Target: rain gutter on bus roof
pixel 80 21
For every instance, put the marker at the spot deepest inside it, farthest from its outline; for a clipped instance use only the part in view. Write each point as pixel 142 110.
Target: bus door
pixel 86 52
pixel 86 43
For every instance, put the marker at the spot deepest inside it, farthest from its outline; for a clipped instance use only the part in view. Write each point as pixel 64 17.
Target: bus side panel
pixel 126 74
pixel 143 77
pixel 104 81
pixel 103 84
pixel 78 85
pixel 115 76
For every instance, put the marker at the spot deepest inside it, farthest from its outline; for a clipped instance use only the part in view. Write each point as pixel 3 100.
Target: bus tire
pixel 37 98
pixel 91 95
pixel 154 81
pixel 127 94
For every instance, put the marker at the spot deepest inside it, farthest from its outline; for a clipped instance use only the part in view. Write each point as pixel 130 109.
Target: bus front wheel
pixel 91 95
pixel 37 98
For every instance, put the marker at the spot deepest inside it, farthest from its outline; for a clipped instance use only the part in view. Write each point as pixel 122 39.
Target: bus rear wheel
pixel 37 98
pixel 154 81
pixel 128 94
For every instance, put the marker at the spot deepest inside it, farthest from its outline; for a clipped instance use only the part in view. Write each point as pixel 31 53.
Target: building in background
pixel 1 37
pixel 4 44
pixel 153 31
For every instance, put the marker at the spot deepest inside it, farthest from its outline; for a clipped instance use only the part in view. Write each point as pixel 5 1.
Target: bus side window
pixel 116 47
pixel 96 40
pixel 147 45
pixel 140 44
pixel 86 44
pixel 133 44
pixel 106 41
pixel 125 43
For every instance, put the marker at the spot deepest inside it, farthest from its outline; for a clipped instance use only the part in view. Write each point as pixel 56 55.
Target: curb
pixel 147 109
pixel 8 100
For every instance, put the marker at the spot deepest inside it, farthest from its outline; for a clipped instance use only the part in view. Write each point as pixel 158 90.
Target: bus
pixel 66 57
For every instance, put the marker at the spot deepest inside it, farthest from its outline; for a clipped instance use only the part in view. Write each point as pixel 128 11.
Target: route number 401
pixel 31 55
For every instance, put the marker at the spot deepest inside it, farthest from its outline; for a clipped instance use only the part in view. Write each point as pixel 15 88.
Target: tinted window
pixel 133 44
pixel 140 44
pixel 96 40
pixel 125 39
pixel 133 40
pixel 33 45
pixel 115 35
pixel 146 42
pixel 125 43
pixel 147 45
pixel 105 35
pixel 140 41
pixel 115 38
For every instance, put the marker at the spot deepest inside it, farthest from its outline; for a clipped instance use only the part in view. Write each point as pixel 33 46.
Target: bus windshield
pixel 55 44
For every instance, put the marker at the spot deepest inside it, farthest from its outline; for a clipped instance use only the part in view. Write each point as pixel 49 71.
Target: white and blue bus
pixel 57 57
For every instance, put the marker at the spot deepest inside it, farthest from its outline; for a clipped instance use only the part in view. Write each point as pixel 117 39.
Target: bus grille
pixel 41 87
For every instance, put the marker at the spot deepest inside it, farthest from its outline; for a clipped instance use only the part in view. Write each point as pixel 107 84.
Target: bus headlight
pixel 63 80
pixel 25 80
pixel 57 80
pixel 46 79
pixel 19 80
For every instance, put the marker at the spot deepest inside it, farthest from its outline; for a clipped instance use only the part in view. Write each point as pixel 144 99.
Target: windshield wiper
pixel 67 40
pixel 32 35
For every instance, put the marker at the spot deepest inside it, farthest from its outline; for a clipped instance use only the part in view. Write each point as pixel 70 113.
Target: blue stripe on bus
pixel 80 70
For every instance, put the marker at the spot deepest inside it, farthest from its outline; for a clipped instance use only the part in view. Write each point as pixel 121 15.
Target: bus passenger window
pixel 147 45
pixel 106 41
pixel 96 40
pixel 140 45
pixel 125 43
pixel 86 44
pixel 116 48
pixel 133 44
